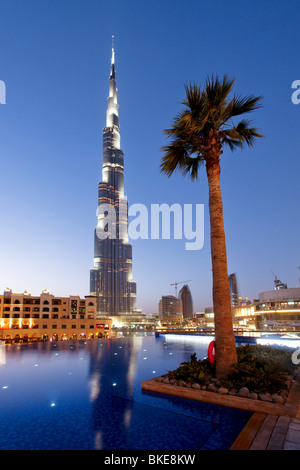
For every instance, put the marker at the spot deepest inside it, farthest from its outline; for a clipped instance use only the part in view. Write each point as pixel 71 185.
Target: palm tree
pixel 198 135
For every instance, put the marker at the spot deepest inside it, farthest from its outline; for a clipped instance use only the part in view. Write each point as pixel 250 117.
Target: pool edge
pixel 246 404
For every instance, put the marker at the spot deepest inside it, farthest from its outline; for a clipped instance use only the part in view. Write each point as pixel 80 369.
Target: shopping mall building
pixel 277 309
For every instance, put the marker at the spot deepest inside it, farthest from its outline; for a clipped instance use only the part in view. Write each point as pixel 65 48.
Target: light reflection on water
pixel 87 395
pixel 289 343
pixel 2 353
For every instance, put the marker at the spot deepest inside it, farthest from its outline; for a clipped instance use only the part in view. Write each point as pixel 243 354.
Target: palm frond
pixel 232 143
pixel 174 157
pixel 240 134
pixel 247 104
pixel 177 157
pixel 217 91
pixel 241 105
pixel 194 96
pixel 205 124
pixel 191 167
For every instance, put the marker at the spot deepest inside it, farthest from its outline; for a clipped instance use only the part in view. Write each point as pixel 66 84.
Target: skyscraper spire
pixel 112 115
pixel 113 50
pixel 111 279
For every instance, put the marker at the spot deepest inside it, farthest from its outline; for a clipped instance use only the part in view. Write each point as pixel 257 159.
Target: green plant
pixel 195 371
pixel 261 368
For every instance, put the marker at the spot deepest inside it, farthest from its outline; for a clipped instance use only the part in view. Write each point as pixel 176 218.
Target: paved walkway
pixel 269 432
pixel 292 438
pixel 266 431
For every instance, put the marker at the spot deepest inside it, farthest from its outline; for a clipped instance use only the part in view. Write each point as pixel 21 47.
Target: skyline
pixel 55 65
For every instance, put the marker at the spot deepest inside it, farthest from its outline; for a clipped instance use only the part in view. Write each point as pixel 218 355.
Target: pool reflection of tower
pixel 112 373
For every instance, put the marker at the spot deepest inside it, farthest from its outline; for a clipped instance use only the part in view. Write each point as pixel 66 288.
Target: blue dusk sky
pixel 55 60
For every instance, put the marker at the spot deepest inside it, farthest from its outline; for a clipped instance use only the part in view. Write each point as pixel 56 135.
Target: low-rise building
pixel 25 318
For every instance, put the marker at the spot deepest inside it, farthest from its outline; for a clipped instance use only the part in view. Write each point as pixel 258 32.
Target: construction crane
pixel 277 283
pixel 176 284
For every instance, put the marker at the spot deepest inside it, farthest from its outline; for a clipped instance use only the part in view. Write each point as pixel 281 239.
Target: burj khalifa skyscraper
pixel 111 278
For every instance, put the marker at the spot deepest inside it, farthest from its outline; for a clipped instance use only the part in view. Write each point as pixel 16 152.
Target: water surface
pixel 87 395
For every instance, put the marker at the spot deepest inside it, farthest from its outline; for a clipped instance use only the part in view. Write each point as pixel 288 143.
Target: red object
pixel 211 354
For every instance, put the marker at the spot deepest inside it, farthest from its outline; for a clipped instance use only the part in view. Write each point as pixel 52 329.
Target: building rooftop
pixel 292 293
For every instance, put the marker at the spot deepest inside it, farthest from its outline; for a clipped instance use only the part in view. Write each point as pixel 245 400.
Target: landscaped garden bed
pixel 261 373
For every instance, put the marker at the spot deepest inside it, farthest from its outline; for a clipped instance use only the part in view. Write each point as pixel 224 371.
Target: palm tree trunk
pixel 225 348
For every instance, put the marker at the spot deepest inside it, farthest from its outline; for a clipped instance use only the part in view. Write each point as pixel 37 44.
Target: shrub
pixel 195 371
pixel 259 368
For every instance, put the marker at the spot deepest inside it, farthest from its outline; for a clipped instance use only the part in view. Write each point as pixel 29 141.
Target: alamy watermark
pixel 161 222
pixel 2 92
pixel 296 94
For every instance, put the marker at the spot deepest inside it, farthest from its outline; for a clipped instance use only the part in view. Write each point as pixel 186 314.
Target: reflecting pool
pixel 87 395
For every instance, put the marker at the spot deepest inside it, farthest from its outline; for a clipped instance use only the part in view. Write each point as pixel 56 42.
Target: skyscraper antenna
pixel 113 50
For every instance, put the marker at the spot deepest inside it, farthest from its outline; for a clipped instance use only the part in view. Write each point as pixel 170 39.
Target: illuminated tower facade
pixel 111 277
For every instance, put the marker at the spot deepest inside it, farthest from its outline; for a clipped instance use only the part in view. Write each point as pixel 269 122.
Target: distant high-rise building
pixel 170 308
pixel 111 278
pixel 234 291
pixel 187 301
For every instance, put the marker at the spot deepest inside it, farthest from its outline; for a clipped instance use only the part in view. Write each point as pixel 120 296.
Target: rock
pixel 252 395
pixel 233 391
pixel 278 400
pixel 264 397
pixel 172 381
pixel 166 380
pixel 223 390
pixel 288 385
pixel 204 387
pixel 188 385
pixel 216 382
pixel 159 379
pixel 196 386
pixel 243 392
pixel 211 388
pixel 181 383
